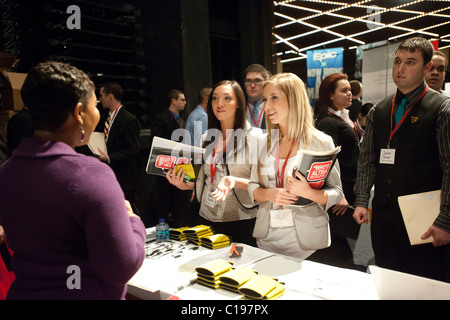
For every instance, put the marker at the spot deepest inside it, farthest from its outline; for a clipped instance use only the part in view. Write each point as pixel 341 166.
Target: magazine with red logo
pixel 315 166
pixel 166 154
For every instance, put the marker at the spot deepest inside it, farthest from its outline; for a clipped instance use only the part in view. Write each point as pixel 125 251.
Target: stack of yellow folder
pixel 262 287
pixel 209 273
pixel 215 241
pixel 177 234
pixel 235 278
pixel 195 233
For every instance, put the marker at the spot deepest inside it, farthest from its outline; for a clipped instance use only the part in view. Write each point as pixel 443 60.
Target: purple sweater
pixel 62 209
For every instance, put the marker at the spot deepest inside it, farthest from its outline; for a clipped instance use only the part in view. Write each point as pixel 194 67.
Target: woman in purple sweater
pixel 64 214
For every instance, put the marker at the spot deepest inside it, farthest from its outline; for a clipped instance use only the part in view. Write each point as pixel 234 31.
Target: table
pixel 173 275
pixel 161 277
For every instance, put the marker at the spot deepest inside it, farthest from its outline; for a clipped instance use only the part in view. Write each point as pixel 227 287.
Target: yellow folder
pixel 237 277
pixel 260 287
pixel 214 268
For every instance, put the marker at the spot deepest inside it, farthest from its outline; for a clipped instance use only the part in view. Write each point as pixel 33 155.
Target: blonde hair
pixel 301 120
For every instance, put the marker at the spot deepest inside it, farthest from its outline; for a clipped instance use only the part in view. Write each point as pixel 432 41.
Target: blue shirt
pixel 255 115
pixel 196 124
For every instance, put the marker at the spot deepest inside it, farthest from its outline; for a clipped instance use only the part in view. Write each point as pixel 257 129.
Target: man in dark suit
pixel 122 140
pixel 168 201
pixel 169 120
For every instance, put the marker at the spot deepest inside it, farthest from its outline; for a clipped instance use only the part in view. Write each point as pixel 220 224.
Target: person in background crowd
pixel 122 131
pixel 406 150
pixel 197 122
pixel 255 76
pixel 335 95
pixel 234 216
pixel 75 220
pixel 169 202
pixel 436 76
pixel 362 117
pixel 356 88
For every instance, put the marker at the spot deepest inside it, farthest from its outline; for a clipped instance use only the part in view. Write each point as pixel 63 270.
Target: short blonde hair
pixel 301 120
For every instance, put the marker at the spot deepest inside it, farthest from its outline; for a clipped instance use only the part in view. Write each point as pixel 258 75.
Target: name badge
pixel 387 156
pixel 281 218
pixel 210 201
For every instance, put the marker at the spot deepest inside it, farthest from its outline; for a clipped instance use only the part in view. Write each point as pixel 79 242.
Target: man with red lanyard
pixel 406 150
pixel 255 76
pixel 122 131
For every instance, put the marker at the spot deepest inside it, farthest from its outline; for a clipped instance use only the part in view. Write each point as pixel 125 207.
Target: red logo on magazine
pixel 319 170
pixel 182 161
pixel 165 162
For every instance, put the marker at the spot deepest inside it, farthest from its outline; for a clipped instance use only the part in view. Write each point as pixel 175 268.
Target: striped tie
pixel 107 127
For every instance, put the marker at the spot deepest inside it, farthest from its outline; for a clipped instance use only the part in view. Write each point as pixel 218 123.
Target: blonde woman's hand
pixel 280 196
pixel 299 187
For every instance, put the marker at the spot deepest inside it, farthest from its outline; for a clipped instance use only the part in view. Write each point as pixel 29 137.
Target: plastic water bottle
pixel 162 231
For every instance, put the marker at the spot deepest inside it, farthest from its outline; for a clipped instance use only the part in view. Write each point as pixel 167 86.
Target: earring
pixel 82 135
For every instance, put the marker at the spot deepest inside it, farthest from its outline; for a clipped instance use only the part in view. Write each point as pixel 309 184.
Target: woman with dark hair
pixel 227 151
pixel 74 236
pixel 335 96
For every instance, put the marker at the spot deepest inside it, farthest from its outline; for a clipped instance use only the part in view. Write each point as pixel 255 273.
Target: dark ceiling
pixel 313 24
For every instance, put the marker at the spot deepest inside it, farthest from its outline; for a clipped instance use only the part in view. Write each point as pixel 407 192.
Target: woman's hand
pixel 341 207
pixel 224 187
pixel 280 196
pixel 178 179
pixel 299 187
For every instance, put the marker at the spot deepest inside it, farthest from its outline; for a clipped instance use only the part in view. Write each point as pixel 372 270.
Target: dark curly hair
pixel 52 90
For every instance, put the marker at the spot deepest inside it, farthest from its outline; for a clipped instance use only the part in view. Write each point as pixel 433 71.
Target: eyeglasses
pixel 256 82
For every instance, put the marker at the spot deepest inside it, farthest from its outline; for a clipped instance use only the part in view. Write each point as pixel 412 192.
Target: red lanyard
pixel 214 167
pixel 281 177
pixel 354 125
pixel 251 114
pixel 394 130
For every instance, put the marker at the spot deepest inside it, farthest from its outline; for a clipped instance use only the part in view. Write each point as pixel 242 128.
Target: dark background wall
pixel 148 46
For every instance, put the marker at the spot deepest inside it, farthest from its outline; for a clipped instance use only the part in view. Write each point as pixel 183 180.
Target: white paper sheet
pixel 97 141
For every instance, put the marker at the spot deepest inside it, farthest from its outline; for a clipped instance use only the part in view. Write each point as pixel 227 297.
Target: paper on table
pixel 97 141
pixel 419 212
pixel 395 285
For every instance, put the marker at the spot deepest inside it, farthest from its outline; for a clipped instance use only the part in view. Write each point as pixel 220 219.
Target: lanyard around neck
pixel 213 167
pixel 395 129
pixel 253 118
pixel 283 170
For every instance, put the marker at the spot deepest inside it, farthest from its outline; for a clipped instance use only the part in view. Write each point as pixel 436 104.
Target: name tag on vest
pixel 387 156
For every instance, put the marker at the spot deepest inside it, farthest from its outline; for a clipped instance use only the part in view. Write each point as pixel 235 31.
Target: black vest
pixel 417 167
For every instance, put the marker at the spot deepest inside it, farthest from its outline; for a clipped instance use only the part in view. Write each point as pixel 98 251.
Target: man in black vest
pixel 406 150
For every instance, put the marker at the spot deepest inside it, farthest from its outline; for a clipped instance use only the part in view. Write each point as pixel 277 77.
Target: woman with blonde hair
pixel 281 227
